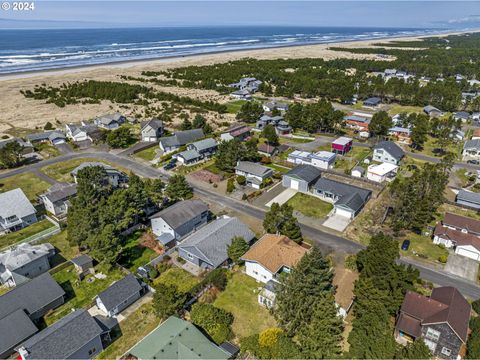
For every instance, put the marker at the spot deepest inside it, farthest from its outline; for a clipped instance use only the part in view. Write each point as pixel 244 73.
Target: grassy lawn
pixel 187 169
pixel 80 294
pixel 344 164
pixel 47 150
pixel 134 328
pixel 359 153
pixel 61 171
pixel 397 109
pixel 310 205
pixel 423 246
pixel 234 106
pixel 147 154
pixel 430 145
pixel 180 278
pixel 15 237
pixel 135 255
pixel 241 299
pixel 464 179
pixel 61 243
pixel 31 184
pixel 285 140
pixel 278 168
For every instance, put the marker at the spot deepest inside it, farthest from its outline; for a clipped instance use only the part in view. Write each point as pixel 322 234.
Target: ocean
pixel 33 50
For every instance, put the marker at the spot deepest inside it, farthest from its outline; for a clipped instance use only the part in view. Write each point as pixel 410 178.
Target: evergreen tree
pixel 178 188
pixel 380 123
pixel 230 152
pixel 473 344
pixel 415 350
pixel 420 131
pixel 215 321
pixel 270 134
pixel 120 138
pixel 250 112
pixel 237 248
pixel 186 125
pixel 300 291
pixel 280 219
pixel 11 155
pixel 106 246
pixel 199 122
pixel 167 300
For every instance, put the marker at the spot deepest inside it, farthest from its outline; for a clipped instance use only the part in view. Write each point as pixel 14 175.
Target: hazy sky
pixel 116 13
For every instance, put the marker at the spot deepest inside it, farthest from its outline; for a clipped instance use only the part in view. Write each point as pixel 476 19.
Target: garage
pixel 58 141
pixel 468 251
pixel 344 212
pixel 301 177
pixel 294 184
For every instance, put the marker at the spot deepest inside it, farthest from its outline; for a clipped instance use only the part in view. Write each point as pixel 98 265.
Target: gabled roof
pixel 345 192
pixel 31 296
pixel 253 168
pixel 372 101
pixel 15 328
pixel 109 118
pixel 47 135
pixel 60 192
pixel 429 108
pixel 120 291
pixel 176 339
pixel 65 337
pixel 14 202
pixel 472 144
pixel 343 140
pixel 189 155
pixel 274 252
pixel 19 141
pixel 266 148
pixel 204 144
pixel 458 237
pixel 82 260
pixel 461 222
pixel 210 242
pixel 305 172
pixel 154 123
pixel 182 212
pixel 23 254
pixel 182 138
pixel 468 196
pixel 393 149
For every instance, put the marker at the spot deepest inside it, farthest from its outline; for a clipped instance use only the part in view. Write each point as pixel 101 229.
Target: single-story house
pixel 110 121
pixel 78 335
pixel 56 199
pixel 55 137
pixel 180 138
pixel 16 211
pixel 240 132
pixel 272 255
pixel 151 130
pixel 471 149
pixel 347 199
pixel 254 173
pixel 401 134
pixel 372 102
pixel 389 152
pixel 440 320
pixel 321 159
pixel 342 145
pixel 23 306
pixel 382 172
pixel 207 247
pixel 83 265
pixel 275 105
pixel 23 262
pixel 283 128
pixel 358 172
pixel 179 220
pixel 461 223
pixel 432 111
pixel 357 122
pixel 242 94
pixel 468 198
pixel 115 177
pixel 476 134
pixel 458 135
pixel 301 177
pixel 464 116
pixel 188 157
pixel 267 150
pixel 120 295
pixel 465 244
pixel 176 339
pixel 27 147
pixel 79 133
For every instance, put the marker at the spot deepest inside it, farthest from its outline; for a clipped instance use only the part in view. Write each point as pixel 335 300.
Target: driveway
pixel 64 148
pixel 282 198
pixel 462 266
pixel 337 222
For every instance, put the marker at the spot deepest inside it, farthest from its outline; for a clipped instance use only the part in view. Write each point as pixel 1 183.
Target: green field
pixel 134 255
pixel 310 205
pixel 180 278
pixel 424 246
pixel 147 154
pixel 61 243
pixel 17 236
pixel 241 299
pixel 234 106
pixel 30 183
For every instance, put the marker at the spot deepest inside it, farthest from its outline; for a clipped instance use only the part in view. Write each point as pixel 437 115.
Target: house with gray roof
pixel 347 199
pixel 301 177
pixel 254 173
pixel 115 177
pixel 23 262
pixel 389 152
pixel 16 211
pixel 84 132
pixel 27 147
pixel 78 335
pixel 197 151
pixel 57 198
pixel 120 295
pixel 468 198
pixel 151 130
pixel 471 150
pixel 179 220
pixel 179 139
pixel 372 102
pixel 275 105
pixel 55 137
pixel 432 111
pixel 110 121
pixel 463 116
pixel 83 265
pixel 23 306
pixel 207 247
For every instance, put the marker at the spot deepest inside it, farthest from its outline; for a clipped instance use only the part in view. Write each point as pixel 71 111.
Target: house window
pixel 431 345
pixel 446 351
pixel 190 256
pixel 432 334
pixel 92 351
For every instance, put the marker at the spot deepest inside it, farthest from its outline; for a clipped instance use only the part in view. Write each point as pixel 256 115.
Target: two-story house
pixel 16 211
pixel 179 220
pixel 197 151
pixel 110 121
pixel 79 133
pixel 115 177
pixel 239 132
pixel 56 199
pixel 388 152
pixel 151 130
pixel 471 150
pixel 441 320
pixel 180 138
pixel 255 174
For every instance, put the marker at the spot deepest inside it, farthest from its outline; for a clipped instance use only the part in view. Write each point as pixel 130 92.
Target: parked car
pixel 169 166
pixel 475 162
pixel 405 245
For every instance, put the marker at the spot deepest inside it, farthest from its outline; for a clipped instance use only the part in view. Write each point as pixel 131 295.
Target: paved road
pixel 326 241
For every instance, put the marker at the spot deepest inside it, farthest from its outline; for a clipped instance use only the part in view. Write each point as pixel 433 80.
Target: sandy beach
pixel 17 112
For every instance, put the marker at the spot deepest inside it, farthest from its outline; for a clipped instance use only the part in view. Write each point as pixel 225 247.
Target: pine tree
pixel 415 350
pixel 380 123
pixel 270 134
pixel 237 248
pixel 280 219
pixel 178 188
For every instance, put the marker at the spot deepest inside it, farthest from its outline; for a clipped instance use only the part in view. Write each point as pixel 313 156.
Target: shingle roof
pixel 31 296
pixel 210 242
pixel 177 339
pixel 181 138
pixel 47 135
pixel 275 251
pixel 253 168
pixel 468 196
pixel 119 291
pixel 266 148
pixel 347 193
pixel 458 237
pixel 392 148
pixel 59 192
pixel 14 202
pixel 182 212
pixel 429 108
pixel 305 172
pixel 26 144
pixel 204 144
pixel 154 123
pixel 15 328
pixel 472 144
pixel 62 339
pixel 461 222
pixel 23 254
pixel 189 155
pixel 372 101
pixel 81 260
pixel 109 118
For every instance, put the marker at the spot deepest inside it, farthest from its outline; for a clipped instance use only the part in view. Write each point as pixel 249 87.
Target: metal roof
pixel 393 149
pixel 305 172
pixel 468 196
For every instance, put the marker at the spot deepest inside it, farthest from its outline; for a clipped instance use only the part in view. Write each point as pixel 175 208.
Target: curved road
pixel 328 242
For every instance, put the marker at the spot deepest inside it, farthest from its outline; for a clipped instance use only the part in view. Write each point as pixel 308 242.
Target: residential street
pixel 327 242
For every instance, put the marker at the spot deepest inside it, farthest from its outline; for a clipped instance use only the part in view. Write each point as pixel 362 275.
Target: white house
pixel 471 149
pixel 56 199
pixel 272 255
pixel 322 159
pixel 254 173
pixel 358 172
pixel 382 172
pixel 389 152
pixel 120 295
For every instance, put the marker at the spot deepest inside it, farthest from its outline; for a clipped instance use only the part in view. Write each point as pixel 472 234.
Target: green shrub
pixel 443 258
pixel 181 260
pixel 244 196
pixel 351 262
pixel 217 278
pixel 153 273
pixel 241 180
pixel 230 185
pixel 216 322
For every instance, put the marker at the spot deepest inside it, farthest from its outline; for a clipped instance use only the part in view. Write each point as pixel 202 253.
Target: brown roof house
pixel 460 233
pixel 441 320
